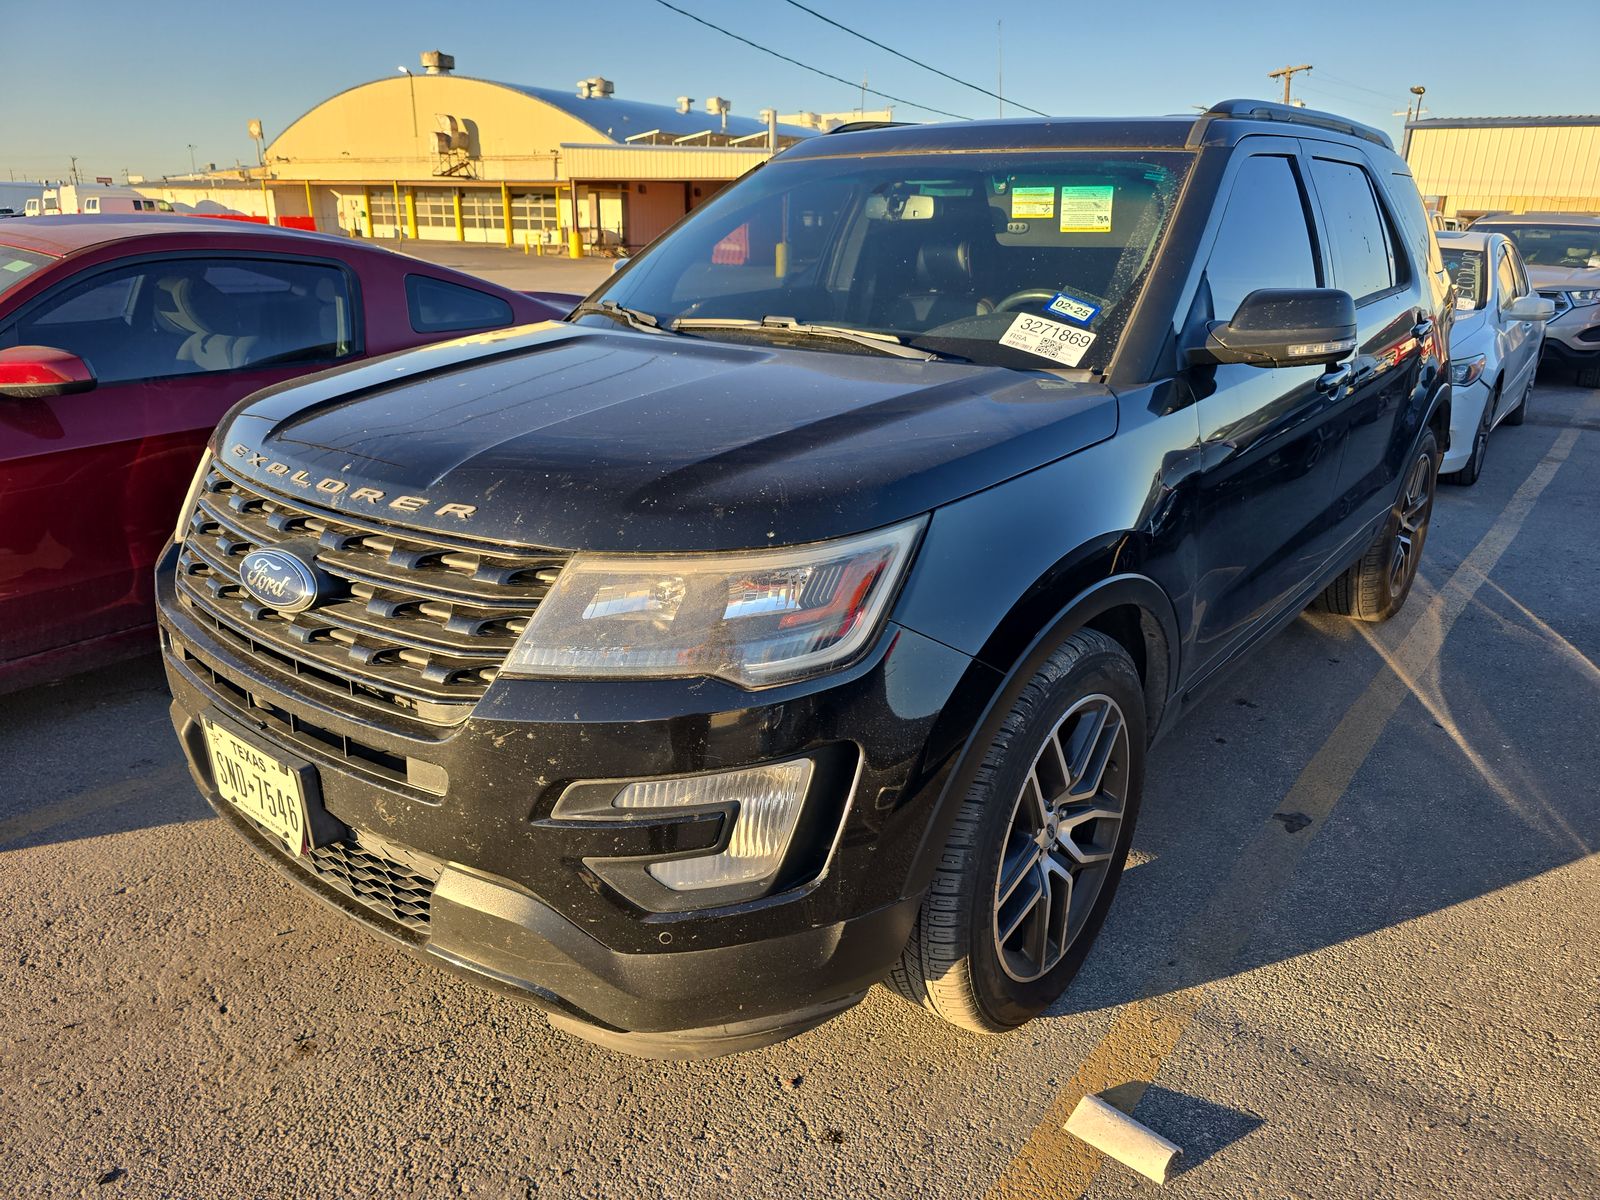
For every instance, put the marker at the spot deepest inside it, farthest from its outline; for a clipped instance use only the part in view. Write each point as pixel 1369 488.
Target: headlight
pixel 187 510
pixel 1466 370
pixel 1584 297
pixel 754 618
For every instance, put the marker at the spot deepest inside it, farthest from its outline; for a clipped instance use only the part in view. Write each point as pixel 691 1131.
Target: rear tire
pixel 1376 587
pixel 1468 475
pixel 1589 377
pixel 1033 861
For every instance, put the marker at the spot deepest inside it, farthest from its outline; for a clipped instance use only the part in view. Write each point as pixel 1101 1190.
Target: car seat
pixel 214 323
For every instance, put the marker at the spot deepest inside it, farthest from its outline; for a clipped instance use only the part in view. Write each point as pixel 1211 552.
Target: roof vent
pixel 437 62
pixel 596 87
pixel 685 104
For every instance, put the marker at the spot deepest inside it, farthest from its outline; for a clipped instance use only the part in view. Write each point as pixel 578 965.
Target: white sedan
pixel 1494 345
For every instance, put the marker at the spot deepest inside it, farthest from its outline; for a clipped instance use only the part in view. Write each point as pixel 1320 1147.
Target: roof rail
pixel 1267 110
pixel 858 126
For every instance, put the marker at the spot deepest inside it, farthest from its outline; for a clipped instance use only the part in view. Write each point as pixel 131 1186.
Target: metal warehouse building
pixel 447 157
pixel 1470 166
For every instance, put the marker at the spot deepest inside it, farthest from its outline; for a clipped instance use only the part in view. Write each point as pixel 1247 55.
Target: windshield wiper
pixel 633 318
pixel 884 343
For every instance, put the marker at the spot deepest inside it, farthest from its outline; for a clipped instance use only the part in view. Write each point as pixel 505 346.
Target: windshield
pixel 1018 260
pixel 1466 272
pixel 1553 245
pixel 16 265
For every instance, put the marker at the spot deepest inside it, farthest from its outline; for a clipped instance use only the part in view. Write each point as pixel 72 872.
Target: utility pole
pixel 1000 63
pixel 1287 74
pixel 74 172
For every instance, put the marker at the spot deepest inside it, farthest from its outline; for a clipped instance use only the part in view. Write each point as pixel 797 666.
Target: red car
pixel 122 342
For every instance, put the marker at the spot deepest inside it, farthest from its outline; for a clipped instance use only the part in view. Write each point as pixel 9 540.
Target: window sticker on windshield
pixel 1086 209
pixel 17 264
pixel 1073 309
pixel 1033 202
pixel 1048 339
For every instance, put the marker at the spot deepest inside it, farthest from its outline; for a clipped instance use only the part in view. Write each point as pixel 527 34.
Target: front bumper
pixel 1466 410
pixel 1572 339
pixel 452 849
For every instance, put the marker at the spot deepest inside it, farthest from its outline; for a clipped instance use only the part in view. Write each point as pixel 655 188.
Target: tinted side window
pixel 440 307
pixel 1265 241
pixel 1363 256
pixel 190 316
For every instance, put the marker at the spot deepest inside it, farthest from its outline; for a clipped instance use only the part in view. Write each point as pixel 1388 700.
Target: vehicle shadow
pixel 1479 779
pixel 89 756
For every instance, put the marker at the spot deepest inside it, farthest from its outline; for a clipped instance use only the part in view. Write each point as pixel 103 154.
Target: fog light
pixel 769 800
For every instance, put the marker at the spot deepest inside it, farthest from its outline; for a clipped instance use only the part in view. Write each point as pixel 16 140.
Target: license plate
pixel 258 785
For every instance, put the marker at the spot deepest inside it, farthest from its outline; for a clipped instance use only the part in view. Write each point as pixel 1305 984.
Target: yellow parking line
pixel 1053 1163
pixel 70 808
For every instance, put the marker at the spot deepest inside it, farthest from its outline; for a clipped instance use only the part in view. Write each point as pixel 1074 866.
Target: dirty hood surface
pixel 578 437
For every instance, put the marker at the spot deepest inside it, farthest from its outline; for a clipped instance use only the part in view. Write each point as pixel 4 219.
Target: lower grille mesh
pixel 393 889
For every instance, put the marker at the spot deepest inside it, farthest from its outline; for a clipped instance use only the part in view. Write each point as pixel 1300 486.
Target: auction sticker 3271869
pixel 1048 339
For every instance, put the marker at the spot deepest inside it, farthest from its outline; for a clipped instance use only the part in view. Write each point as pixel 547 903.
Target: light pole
pixel 193 169
pixel 412 81
pixel 1418 92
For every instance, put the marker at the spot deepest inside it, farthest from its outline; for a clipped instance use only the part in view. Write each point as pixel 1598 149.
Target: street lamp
pixel 1418 92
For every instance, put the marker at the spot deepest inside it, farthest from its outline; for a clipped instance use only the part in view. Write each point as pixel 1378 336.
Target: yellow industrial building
pixel 447 157
pixel 1468 167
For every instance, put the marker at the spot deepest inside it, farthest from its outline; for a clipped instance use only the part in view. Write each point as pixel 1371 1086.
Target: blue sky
pixel 130 85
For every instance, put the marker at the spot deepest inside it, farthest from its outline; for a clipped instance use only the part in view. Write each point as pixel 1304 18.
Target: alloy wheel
pixel 1416 506
pixel 1058 848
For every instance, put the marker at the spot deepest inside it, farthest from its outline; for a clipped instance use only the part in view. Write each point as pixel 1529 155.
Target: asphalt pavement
pixel 1357 955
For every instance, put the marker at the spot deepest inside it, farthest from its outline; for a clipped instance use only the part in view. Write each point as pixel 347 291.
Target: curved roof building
pixel 450 157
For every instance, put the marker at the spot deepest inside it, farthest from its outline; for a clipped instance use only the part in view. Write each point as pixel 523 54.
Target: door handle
pixel 1335 381
pixel 1422 329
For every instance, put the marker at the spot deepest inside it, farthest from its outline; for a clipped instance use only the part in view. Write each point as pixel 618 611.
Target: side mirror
pixel 33 372
pixel 1284 327
pixel 1530 308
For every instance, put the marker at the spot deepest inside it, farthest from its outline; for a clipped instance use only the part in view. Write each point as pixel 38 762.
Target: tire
pixel 1376 587
pixel 1519 414
pixel 1468 475
pixel 1589 377
pixel 1084 707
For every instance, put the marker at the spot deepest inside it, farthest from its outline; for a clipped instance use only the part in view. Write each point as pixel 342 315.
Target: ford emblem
pixel 280 579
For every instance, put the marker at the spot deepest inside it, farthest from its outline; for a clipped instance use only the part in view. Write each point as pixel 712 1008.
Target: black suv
pixel 797 614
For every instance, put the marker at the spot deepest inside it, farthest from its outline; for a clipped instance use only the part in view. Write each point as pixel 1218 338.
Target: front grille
pixel 422 622
pixel 392 889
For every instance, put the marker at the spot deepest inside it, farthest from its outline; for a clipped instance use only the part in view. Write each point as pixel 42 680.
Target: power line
pixel 1360 87
pixel 913 61
pixel 806 66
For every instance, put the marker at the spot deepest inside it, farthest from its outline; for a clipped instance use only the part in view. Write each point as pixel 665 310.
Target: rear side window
pixel 1362 250
pixel 440 307
pixel 1265 241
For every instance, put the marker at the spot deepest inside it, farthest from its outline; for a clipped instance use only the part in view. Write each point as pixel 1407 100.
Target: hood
pixel 1465 325
pixel 1563 277
pixel 578 437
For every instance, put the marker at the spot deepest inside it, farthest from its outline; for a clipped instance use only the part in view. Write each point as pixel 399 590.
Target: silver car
pixel 1494 345
pixel 1562 251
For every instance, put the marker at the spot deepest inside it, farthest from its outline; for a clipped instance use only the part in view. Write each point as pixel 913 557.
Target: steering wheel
pixel 1016 299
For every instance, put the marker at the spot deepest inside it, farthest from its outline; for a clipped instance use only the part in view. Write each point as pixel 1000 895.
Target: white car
pixel 1494 345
